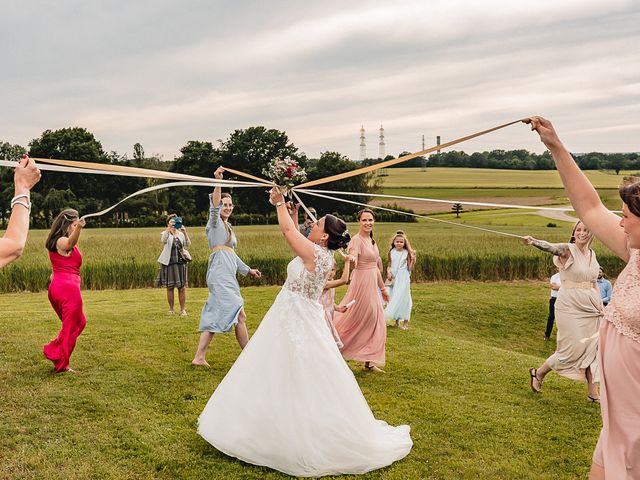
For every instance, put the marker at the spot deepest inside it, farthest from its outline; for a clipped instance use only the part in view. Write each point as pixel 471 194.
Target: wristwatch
pixel 279 203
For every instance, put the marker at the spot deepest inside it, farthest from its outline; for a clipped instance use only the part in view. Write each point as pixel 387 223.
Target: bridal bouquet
pixel 285 172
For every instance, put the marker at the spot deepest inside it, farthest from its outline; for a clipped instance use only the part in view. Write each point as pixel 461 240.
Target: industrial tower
pixel 363 145
pixel 381 146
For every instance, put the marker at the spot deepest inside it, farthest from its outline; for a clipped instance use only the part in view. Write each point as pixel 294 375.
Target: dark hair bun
pixel 337 231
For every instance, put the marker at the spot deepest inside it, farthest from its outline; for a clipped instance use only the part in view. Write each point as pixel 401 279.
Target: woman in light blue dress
pixel 223 310
pixel 401 261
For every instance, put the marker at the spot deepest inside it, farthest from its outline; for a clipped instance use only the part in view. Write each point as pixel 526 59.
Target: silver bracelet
pixel 24 204
pixel 22 195
pixel 279 203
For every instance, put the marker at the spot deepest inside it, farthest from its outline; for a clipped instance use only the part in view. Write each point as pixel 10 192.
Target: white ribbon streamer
pixel 309 214
pixel 59 168
pixel 158 187
pixel 409 213
pixel 439 200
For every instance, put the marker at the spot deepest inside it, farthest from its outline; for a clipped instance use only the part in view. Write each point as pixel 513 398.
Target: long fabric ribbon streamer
pixel 247 175
pixel 395 161
pixel 146 173
pixel 156 187
pixel 410 214
pixel 438 200
pixel 309 214
pixel 192 180
pixel 118 169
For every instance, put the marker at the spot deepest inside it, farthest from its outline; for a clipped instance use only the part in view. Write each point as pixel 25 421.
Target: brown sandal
pixel 533 373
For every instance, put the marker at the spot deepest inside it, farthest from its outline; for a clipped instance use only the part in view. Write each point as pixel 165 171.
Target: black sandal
pixel 533 373
pixel 593 399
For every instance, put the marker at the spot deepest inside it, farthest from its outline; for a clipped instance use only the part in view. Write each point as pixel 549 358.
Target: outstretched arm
pixel 217 191
pixel 300 245
pixel 604 224
pixel 14 239
pixel 561 250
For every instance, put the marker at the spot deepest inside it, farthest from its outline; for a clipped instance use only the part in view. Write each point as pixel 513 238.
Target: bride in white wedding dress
pixel 290 402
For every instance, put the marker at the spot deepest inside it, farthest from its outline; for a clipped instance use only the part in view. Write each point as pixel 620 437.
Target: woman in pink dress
pixel 64 290
pixel 362 327
pixel 617 454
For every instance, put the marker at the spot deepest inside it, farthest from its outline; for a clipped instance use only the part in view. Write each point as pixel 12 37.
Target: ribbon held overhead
pixel 395 161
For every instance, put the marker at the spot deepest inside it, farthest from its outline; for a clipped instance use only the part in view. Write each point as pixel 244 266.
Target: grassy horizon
pixel 442 177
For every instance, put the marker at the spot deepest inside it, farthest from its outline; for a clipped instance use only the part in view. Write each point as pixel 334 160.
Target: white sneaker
pixel 170 312
pixel 183 313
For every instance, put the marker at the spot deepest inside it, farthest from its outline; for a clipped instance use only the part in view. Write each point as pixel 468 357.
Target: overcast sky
pixel 165 72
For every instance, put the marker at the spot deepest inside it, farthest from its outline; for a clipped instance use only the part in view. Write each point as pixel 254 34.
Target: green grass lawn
pixel 490 178
pixel 458 377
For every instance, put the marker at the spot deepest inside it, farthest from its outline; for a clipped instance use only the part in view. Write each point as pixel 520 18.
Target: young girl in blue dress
pixel 401 259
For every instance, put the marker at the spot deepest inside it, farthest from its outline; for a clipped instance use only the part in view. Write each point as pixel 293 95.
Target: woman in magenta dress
pixel 362 327
pixel 64 290
pixel 617 453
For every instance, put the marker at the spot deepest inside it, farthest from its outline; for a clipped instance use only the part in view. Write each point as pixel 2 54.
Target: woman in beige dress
pixel 578 312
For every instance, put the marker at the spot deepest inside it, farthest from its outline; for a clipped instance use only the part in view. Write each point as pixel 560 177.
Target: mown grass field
pixel 458 377
pixel 520 187
pixel 510 196
pixel 490 178
pixel 126 258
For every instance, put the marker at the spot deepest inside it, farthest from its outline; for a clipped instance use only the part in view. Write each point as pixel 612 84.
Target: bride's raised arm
pixel 300 245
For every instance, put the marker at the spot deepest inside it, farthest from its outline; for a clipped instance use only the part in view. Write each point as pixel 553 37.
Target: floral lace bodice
pixel 309 284
pixel 624 309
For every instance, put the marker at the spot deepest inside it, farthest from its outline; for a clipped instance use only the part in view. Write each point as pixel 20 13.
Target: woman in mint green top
pixel 223 309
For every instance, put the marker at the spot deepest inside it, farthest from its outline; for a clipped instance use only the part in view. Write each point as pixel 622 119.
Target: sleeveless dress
pixel 577 316
pixel 618 449
pixel 66 300
pixel 222 308
pixel 399 308
pixel 362 328
pixel 290 402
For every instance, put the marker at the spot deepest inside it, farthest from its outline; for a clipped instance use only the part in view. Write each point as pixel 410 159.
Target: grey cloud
pixel 163 73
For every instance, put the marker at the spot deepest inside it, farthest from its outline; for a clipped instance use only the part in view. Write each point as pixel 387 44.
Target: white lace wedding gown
pixel 290 402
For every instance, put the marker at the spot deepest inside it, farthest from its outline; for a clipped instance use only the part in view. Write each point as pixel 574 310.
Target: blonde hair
pixel 407 245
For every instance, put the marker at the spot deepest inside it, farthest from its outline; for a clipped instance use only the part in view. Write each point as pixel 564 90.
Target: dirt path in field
pixel 556 215
pixel 436 207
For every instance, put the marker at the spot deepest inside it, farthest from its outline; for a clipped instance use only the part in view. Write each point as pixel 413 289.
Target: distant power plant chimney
pixel 363 145
pixel 438 142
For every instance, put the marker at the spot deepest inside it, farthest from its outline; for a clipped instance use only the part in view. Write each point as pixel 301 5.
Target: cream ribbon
pixel 438 200
pixel 410 214
pixel 395 161
pixel 191 180
pixel 157 187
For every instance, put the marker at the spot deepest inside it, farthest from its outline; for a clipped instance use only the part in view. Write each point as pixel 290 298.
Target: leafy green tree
pixel 250 150
pixel 200 159
pixel 616 162
pixel 457 208
pixel 332 163
pixel 57 200
pixel 138 152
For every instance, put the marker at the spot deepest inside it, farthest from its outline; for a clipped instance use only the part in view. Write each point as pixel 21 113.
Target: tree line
pixel 518 160
pixel 248 150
